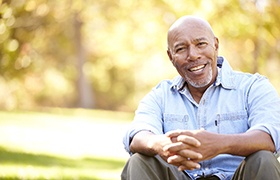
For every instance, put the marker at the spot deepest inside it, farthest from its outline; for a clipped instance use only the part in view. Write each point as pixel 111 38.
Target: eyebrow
pixel 200 39
pixel 178 45
pixel 195 40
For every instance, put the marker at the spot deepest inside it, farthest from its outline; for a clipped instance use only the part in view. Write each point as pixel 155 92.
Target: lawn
pixel 62 144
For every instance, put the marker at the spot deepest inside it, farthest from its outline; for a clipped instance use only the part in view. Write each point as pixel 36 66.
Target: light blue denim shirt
pixel 237 102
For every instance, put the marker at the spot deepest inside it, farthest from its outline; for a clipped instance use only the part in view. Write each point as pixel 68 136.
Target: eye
pixel 180 49
pixel 202 44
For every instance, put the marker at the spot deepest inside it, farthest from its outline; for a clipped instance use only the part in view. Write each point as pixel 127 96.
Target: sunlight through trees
pixel 109 54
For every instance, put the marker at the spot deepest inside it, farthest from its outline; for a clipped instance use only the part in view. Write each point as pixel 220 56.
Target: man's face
pixel 193 51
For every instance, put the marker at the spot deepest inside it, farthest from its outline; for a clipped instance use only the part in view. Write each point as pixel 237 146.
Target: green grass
pixel 62 144
pixel 19 165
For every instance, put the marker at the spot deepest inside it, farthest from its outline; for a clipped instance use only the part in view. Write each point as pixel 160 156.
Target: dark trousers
pixel 258 166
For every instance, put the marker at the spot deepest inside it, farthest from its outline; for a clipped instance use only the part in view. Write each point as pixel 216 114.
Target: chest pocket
pixel 231 123
pixel 174 122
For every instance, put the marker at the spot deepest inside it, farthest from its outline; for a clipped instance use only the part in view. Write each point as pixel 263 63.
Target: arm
pixel 150 144
pixel 213 144
pixel 144 142
pixel 248 143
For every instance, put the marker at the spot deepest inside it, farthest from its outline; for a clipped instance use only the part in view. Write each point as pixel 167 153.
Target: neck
pixel 197 93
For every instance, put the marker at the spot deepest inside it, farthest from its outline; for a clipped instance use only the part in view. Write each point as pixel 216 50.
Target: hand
pixel 182 148
pixel 191 147
pixel 157 142
pixel 150 144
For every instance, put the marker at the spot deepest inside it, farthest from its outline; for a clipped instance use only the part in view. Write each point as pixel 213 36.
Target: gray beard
pixel 200 84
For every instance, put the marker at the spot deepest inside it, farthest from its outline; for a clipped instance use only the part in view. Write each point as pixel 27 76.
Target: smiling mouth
pixel 197 68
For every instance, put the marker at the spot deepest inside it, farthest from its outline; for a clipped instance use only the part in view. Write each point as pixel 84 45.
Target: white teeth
pixel 197 68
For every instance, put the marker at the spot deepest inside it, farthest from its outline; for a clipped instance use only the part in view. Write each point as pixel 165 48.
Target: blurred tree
pixel 110 53
pixel 85 95
pixel 251 30
pixel 45 42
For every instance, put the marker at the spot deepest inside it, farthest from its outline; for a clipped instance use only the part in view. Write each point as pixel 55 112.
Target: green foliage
pixel 54 53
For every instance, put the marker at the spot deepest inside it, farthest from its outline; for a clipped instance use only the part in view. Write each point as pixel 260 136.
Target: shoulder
pixel 256 86
pixel 170 84
pixel 232 79
pixel 165 88
pixel 246 79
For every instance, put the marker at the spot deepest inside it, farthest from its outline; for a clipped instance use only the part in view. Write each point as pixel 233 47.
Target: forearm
pixel 141 143
pixel 246 143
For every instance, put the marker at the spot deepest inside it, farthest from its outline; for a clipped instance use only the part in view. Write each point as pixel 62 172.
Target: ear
pixel 169 55
pixel 216 44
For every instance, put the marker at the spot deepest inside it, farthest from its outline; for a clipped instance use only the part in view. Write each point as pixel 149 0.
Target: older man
pixel 210 122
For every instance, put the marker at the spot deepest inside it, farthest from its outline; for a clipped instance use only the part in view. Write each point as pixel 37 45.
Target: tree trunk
pixel 85 93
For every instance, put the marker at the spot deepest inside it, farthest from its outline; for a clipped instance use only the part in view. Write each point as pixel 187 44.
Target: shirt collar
pixel 225 74
pixel 178 83
pixel 224 78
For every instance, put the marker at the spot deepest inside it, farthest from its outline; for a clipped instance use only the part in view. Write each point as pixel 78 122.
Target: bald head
pixel 189 23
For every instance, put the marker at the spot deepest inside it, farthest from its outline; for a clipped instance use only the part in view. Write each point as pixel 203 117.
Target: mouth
pixel 197 68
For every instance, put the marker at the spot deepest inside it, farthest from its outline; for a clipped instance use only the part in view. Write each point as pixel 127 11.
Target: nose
pixel 193 53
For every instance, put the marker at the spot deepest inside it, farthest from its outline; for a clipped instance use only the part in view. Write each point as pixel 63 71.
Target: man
pixel 208 123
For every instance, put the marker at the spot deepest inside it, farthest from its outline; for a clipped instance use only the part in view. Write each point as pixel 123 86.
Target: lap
pixel 263 164
pixel 151 167
pixel 259 165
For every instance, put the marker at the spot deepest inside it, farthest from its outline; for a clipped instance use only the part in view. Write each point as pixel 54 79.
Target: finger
pixel 174 133
pixel 189 154
pixel 177 146
pixel 183 163
pixel 184 155
pixel 175 160
pixel 190 165
pixel 173 147
pixel 189 140
pixel 173 139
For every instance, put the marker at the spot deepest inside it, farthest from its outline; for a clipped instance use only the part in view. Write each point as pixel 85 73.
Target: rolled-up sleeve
pixel 147 117
pixel 264 109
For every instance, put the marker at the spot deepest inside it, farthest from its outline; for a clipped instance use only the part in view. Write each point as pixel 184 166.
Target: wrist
pixel 224 144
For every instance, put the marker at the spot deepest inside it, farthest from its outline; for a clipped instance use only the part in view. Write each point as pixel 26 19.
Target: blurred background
pixel 88 61
pixel 105 54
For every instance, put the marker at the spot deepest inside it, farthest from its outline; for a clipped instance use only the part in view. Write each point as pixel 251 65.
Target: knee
pixel 261 158
pixel 135 158
pixel 138 159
